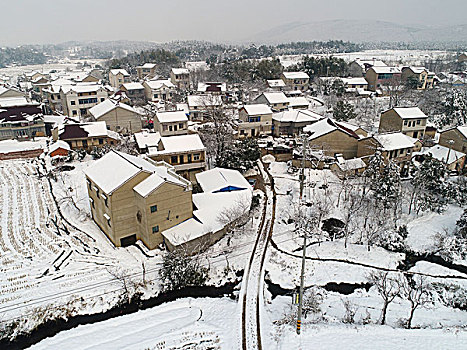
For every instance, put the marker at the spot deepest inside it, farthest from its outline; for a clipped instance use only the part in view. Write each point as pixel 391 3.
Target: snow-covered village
pixel 295 178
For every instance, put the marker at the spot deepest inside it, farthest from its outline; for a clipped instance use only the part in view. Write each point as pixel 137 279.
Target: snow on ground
pixel 45 266
pixel 423 228
pixel 183 324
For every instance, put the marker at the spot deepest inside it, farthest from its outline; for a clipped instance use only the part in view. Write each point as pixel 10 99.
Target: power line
pixel 104 283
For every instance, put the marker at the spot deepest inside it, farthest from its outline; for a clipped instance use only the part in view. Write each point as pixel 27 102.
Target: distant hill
pixel 360 31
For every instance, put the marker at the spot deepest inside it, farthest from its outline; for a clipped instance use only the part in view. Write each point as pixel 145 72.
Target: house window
pixel 156 95
pixel 181 159
pixel 102 99
pixel 72 103
pixel 97 192
pixel 418 122
pixel 164 127
pixel 101 141
pixel 189 158
pixel 180 126
pixel 173 159
pixel 196 156
pixel 153 208
pixel 155 229
pixel 175 127
pixel 170 127
pixel 105 199
pixel 92 203
pixel 108 219
pixel 254 119
pixel 405 122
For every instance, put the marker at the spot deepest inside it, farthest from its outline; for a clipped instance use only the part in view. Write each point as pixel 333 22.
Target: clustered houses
pixel 149 197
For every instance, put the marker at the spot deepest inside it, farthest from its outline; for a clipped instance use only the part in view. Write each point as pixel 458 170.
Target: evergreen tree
pixel 343 111
pixel 430 186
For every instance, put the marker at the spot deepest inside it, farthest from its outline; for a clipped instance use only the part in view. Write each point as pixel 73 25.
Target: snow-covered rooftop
pixel 108 105
pixel 133 86
pixel 179 144
pixel 441 153
pixel 374 63
pixel 178 71
pixel 386 70
pixel 417 70
pixel 276 97
pixel 276 83
pixel 257 109
pixel 354 81
pixel 325 126
pixel 298 101
pixel 116 168
pixel 119 71
pixel 8 146
pixel 219 179
pixel 296 75
pixel 157 84
pixel 297 116
pixel 147 139
pixel 161 175
pixel 351 164
pixel 211 206
pixel 147 65
pixel 59 144
pixel 396 140
pixel 172 116
pixel 16 101
pixel 410 112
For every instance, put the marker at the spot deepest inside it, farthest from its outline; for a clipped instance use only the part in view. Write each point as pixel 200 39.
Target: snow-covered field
pixel 411 57
pixel 45 261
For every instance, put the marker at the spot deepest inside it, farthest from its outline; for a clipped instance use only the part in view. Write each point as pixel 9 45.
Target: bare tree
pixel 387 287
pixel 130 288
pixel 235 216
pixel 416 289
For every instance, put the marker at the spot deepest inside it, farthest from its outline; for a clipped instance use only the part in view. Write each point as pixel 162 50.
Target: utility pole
pixel 302 180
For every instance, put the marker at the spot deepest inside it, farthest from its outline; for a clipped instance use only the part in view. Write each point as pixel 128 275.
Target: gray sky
pixel 55 21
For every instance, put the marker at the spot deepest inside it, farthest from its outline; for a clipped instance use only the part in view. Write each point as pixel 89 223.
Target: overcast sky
pixel 55 21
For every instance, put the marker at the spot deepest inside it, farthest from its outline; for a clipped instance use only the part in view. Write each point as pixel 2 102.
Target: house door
pixel 253 132
pixel 415 134
pixel 164 96
pixel 129 240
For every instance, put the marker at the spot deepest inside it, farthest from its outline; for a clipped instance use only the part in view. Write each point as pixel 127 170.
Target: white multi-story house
pixel 76 100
